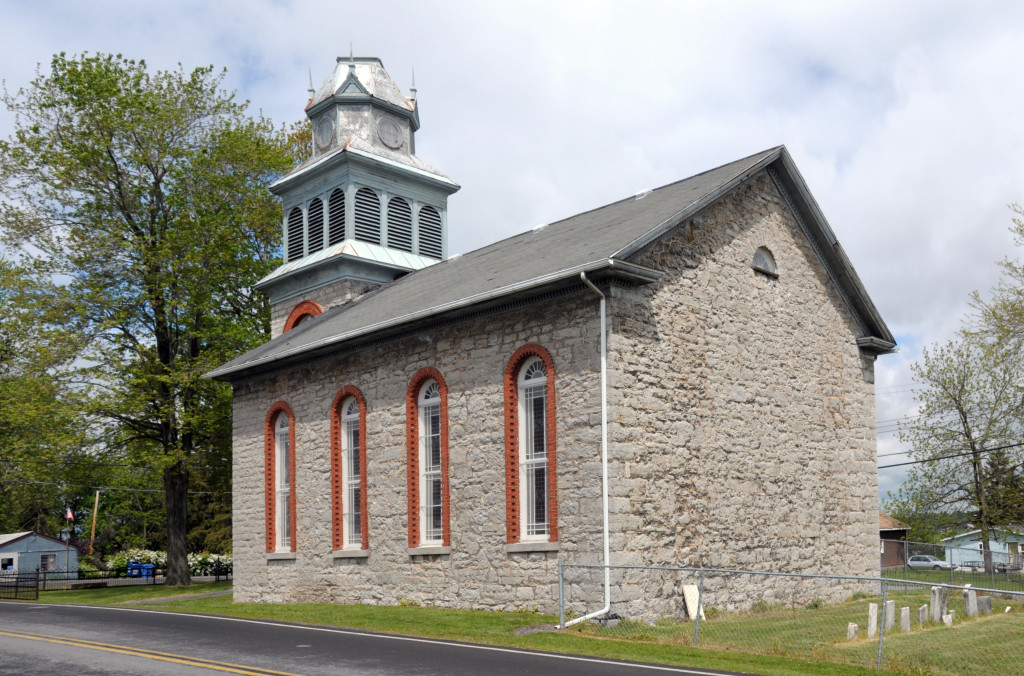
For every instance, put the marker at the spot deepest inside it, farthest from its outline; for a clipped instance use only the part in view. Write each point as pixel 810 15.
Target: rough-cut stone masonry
pixel 478 572
pixel 327 297
pixel 743 412
pixel 742 436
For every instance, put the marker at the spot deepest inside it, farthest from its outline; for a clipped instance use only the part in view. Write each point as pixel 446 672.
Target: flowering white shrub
pixel 199 563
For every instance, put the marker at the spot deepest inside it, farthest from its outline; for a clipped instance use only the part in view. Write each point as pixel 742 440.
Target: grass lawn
pixel 484 627
pixel 808 640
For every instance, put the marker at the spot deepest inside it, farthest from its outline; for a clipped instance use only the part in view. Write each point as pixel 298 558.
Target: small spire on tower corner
pixel 311 90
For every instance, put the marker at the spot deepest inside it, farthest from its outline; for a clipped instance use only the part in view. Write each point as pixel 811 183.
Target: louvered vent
pixel 294 234
pixel 316 225
pixel 399 224
pixel 367 216
pixel 336 216
pixel 430 232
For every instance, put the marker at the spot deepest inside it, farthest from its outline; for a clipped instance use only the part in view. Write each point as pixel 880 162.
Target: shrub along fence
pixel 903 625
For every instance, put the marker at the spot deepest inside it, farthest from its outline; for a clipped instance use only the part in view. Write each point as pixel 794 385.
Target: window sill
pixel 351 553
pixel 539 546
pixel 429 551
pixel 280 556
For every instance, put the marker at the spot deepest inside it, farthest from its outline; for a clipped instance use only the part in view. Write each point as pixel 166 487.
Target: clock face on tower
pixel 323 131
pixel 390 133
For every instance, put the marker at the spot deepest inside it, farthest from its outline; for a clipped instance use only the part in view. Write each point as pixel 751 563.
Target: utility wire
pixel 948 457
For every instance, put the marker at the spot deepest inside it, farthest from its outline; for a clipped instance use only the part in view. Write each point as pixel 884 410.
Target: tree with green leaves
pixel 146 193
pixel 44 457
pixel 966 435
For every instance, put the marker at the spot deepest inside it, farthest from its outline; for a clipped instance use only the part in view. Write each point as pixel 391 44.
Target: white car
pixel 924 562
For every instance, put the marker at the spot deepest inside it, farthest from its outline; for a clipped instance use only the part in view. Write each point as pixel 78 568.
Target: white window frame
pixel 282 480
pixel 428 411
pixel 47 563
pixel 351 474
pixel 532 386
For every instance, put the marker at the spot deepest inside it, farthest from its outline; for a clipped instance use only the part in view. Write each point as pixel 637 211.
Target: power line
pixel 948 457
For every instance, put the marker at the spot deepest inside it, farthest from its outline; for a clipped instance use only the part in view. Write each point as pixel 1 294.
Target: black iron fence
pixel 22 586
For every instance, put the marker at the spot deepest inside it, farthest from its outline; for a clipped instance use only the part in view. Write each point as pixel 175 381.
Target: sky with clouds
pixel 905 118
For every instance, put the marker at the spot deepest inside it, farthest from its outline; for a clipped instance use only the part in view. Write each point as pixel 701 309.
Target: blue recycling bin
pixel 147 569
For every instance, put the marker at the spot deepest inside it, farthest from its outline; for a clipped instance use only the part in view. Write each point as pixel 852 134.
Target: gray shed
pixel 30 551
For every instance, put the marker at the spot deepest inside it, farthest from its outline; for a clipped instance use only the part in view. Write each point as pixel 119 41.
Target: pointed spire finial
pixel 311 90
pixel 350 57
pixel 413 87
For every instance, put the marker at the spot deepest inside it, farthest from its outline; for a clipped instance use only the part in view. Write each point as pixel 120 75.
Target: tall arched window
pixel 427 457
pixel 348 470
pixel 279 474
pixel 530 460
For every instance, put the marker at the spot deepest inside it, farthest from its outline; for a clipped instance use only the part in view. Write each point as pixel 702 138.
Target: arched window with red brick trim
pixel 279 477
pixel 301 312
pixel 427 460
pixel 531 491
pixel 348 470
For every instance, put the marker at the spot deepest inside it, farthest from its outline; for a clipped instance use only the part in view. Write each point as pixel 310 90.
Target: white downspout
pixel 604 456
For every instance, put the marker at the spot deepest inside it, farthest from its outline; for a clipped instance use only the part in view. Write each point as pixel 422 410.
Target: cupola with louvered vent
pixel 364 209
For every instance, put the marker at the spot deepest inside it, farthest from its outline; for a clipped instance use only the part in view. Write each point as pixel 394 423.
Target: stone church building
pixel 431 428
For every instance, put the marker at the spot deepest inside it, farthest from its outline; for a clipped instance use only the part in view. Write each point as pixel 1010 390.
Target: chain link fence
pixel 937 563
pixel 901 625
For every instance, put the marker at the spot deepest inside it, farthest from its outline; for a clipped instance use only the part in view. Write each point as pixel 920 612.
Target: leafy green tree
pixel 146 191
pixel 43 448
pixel 964 437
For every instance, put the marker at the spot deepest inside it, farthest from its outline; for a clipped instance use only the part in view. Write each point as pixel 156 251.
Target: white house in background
pixel 966 549
pixel 31 551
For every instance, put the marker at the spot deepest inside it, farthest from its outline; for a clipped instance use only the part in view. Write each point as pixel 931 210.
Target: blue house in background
pixel 965 549
pixel 30 551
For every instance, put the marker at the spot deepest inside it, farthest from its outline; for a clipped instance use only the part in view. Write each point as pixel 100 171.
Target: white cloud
pixel 905 118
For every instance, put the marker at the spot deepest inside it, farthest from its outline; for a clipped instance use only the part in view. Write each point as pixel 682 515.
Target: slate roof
pixel 595 241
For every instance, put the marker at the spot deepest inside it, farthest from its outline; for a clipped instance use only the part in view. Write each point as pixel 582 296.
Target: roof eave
pixel 612 267
pixel 328 160
pixel 880 339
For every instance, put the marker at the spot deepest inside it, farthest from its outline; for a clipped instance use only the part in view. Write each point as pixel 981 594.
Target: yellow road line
pixel 151 654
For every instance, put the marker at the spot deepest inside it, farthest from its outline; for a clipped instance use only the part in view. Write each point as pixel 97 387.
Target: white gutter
pixel 604 457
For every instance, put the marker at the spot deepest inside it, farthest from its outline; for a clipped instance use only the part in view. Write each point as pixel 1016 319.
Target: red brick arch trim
pixel 269 475
pixel 337 486
pixel 412 444
pixel 513 500
pixel 307 308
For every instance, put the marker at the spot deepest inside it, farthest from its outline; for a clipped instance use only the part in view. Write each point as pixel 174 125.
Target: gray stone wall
pixel 742 412
pixel 742 436
pixel 329 296
pixel 478 572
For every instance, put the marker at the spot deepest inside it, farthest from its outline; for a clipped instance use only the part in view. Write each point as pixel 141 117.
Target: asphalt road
pixel 55 639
